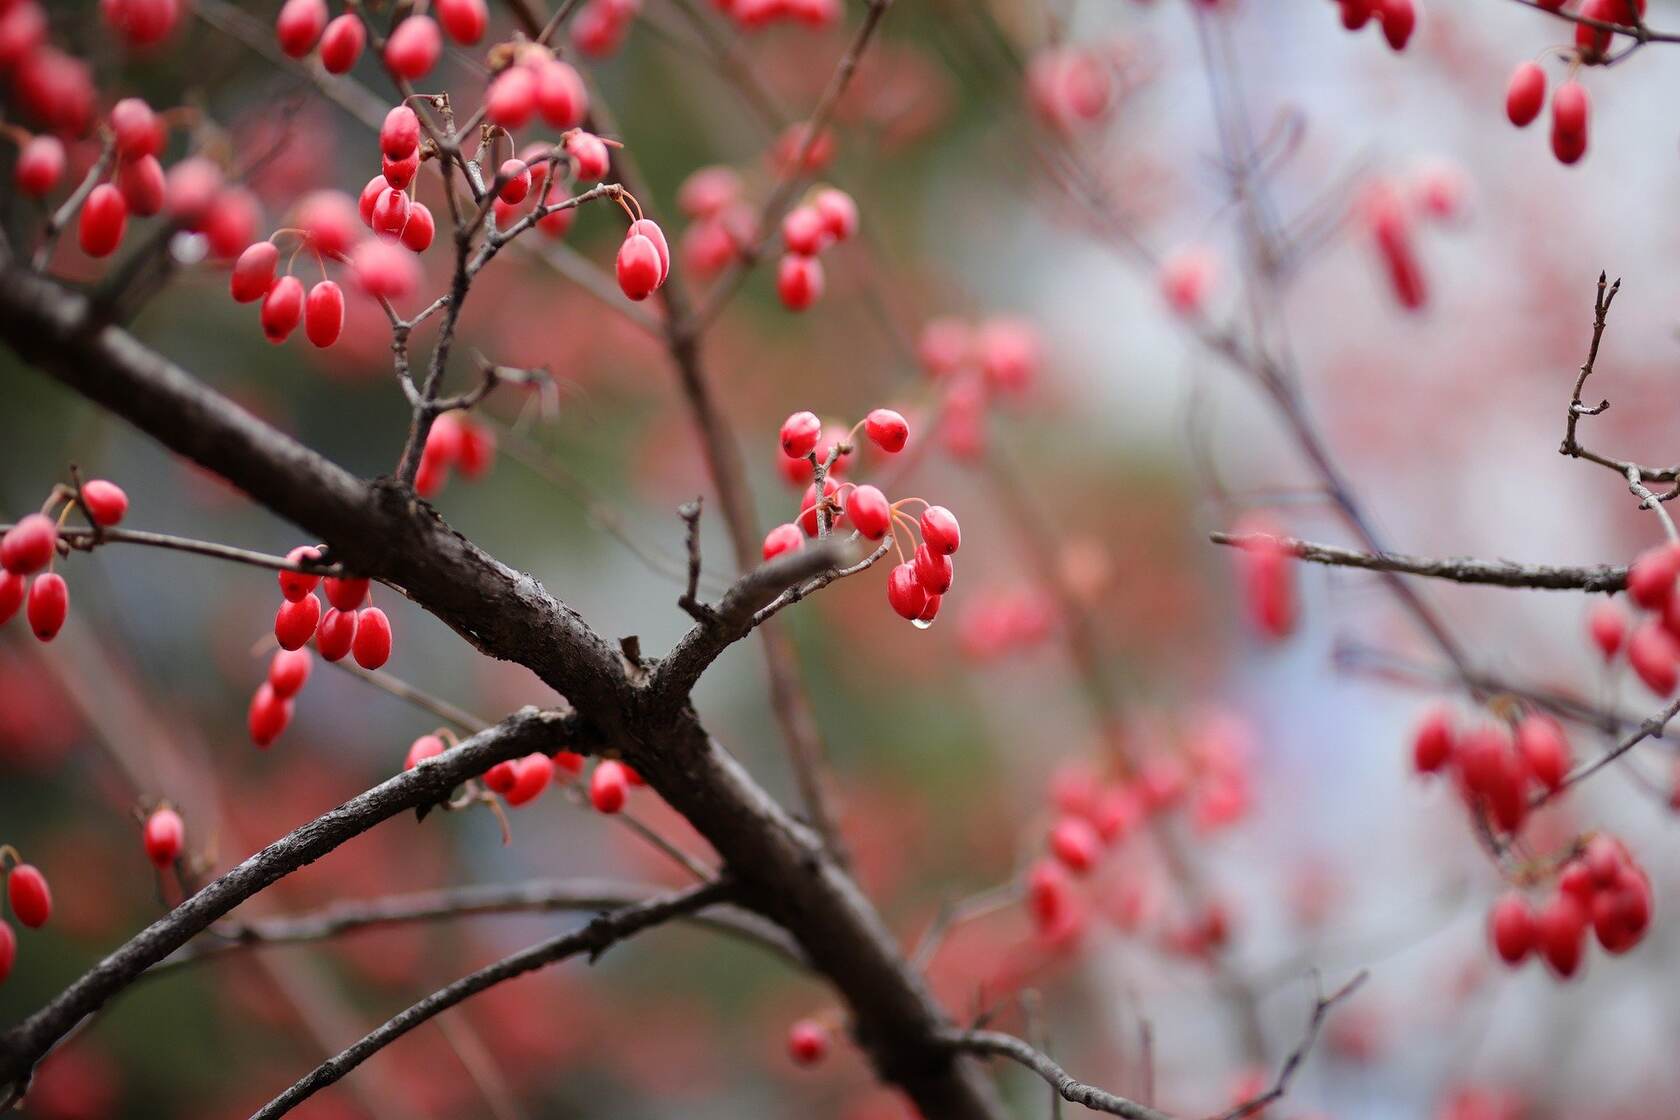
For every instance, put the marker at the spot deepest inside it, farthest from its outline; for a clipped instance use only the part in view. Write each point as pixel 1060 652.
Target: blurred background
pixel 1086 493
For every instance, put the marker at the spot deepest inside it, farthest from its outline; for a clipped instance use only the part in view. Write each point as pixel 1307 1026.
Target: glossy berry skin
pixel 253 272
pixel 1651 576
pixel 511 100
pixel 934 571
pixel 1511 927
pixel 800 433
pixel 1541 743
pixel 421 228
pixel 799 281
pixel 104 501
pixel 295 585
pixel 267 717
pixel 463 20
pixel 501 777
pixel 870 513
pixel 1525 94
pixel 1655 657
pixel 1399 19
pixel 163 837
pixel 808 1042
pixel 295 622
pixel 104 217
pixel 346 594
pixel 29 545
pixel 1559 929
pixel 142 186
pixel 288 671
pixel 905 592
pixel 390 211
pixel 413 48
pixel 30 896
pixel 531 776
pixel 782 539
pixel 372 644
pixel 838 211
pixel 1432 741
pixel 1607 626
pixel 515 177
pixel 384 270
pixel 49 605
pixel 637 267
pixel 40 165
pixel 342 43
pixel 567 765
pixel 13 590
pixel 609 786
pixel 299 25
pixel 1076 844
pixel 562 98
pixel 335 635
pixel 804 232
pixel 323 314
pixel 135 129
pixel 426 746
pixel 590 158
pixel 8 951
pixel 940 530
pixel 399 135
pixel 649 229
pixel 887 430
pixel 282 309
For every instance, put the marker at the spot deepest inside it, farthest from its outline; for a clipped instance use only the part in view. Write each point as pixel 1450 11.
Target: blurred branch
pixel 594 939
pixel 1458 569
pixel 86 540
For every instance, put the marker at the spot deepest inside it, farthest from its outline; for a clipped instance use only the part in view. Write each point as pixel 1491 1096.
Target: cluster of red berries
pixel 284 304
pixel 32 545
pixel 455 441
pixel 722 222
pixel 1494 767
pixel 1526 94
pixel 47 84
pixel 829 216
pixel 347 627
pixel 644 259
pixel 1397 18
pixel 973 364
pixel 1653 646
pixel 411 50
pixel 532 177
pixel 1602 886
pixel 31 902
pixel 536 84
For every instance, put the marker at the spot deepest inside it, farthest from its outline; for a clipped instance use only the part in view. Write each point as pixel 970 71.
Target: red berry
pixel 1541 743
pixel 531 776
pixel 608 786
pixel 323 317
pixel 478 450
pixel 567 765
pixel 1570 107
pixel 590 158
pixel 1432 742
pixel 336 634
pixel 1049 893
pixel 512 98
pixel 104 217
pixel 418 233
pixel 1511 927
pixel 464 20
pixel 282 309
pixel 399 136
pixel 136 129
pixel 940 530
pixel 346 594
pixel 163 837
pixel 1559 928
pixel 230 224
pixel 562 98
pixel 1651 576
pixel 808 1042
pixel 809 519
pixel 649 229
pixel 638 267
pixel 295 621
pixel 383 270
pixel 30 895
pixel 253 272
pixel 1398 18
pixel 370 196
pixel 413 48
pixel 427 746
pixel 887 430
pixel 905 592
pixel 933 570
pixel 295 585
pixel 372 644
pixel 799 434
pixel 288 671
pixel 49 604
pixel 706 192
pixel 342 43
pixel 870 513
pixel 839 212
pixel 8 951
pixel 40 165
pixel 804 231
pixel 515 177
pixel 1525 94
pixel 29 545
pixel 783 538
pixel 799 281
pixel 268 716
pixel 299 25
pixel 13 590
pixel 1076 844
pixel 390 212
pixel 1655 657
pixel 1608 627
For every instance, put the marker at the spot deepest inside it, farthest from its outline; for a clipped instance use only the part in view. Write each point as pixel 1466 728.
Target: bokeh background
pixel 1089 492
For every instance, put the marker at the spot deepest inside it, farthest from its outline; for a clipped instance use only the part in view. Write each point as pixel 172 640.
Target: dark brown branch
pixel 1000 1045
pixel 1457 569
pixel 690 599
pixel 593 939
pixel 86 540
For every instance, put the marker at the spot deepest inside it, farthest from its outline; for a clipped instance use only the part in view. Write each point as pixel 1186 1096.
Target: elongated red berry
pixel 940 530
pixel 29 545
pixel 299 25
pixel 1432 741
pixel 463 20
pixel 887 430
pixel 799 434
pixel 295 621
pixel 336 634
pixel 804 232
pixel 934 571
pixel 347 593
pixel 1075 843
pixel 49 605
pixel 905 592
pixel 783 538
pixel 323 317
pixel 253 272
pixel 1511 927
pixel 421 228
pixel 1651 576
pixel 590 158
pixel 839 212
pixel 104 217
pixel 1399 18
pixel 282 309
pixel 1655 657
pixel 426 746
pixel 637 267
pixel 31 897
pixel 342 43
pixel 288 671
pixel 649 229
pixel 870 513
pixel 295 585
pixel 14 589
pixel 383 270
pixel 390 212
pixel 163 837
pixel 40 165
pixel 267 716
pixel 413 48
pixel 809 519
pixel 372 646
pixel 808 1042
pixel 141 184
pixel 399 135
pixel 135 128
pixel 515 178
pixel 531 776
pixel 1541 743
pixel 8 950
pixel 1608 628
pixel 501 777
pixel 799 281
pixel 512 98
pixel 562 98
pixel 1559 928
pixel 609 786
pixel 1525 94
pixel 104 501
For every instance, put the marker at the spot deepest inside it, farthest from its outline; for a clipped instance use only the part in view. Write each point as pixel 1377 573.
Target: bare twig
pixel 86 540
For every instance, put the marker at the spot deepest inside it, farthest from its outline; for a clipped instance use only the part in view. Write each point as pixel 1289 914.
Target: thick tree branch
pixel 1606 578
